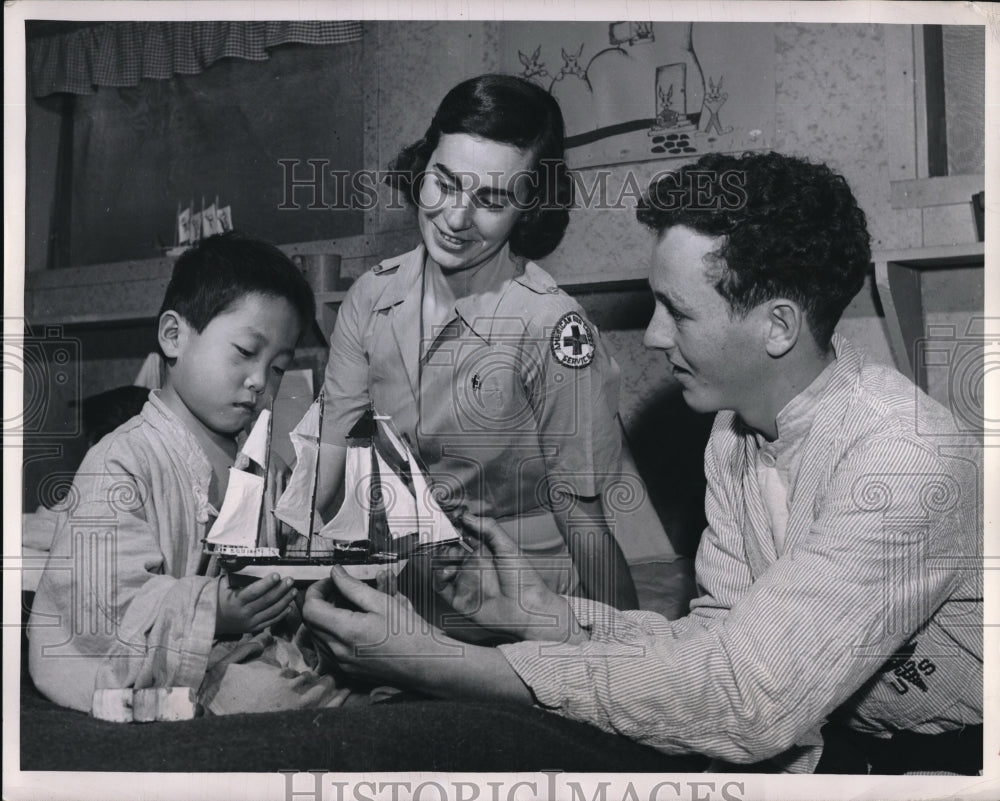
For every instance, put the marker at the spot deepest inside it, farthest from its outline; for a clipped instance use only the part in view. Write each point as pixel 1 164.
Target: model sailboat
pixel 238 528
pixel 388 510
pixel 193 226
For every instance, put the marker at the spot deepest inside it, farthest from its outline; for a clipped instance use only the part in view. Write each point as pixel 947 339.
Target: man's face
pixel 714 356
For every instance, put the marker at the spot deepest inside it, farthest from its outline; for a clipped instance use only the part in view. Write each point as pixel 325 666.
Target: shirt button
pixel 552 290
pixel 767 458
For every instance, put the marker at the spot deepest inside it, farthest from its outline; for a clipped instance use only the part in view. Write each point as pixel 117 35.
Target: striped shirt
pixel 778 461
pixel 871 615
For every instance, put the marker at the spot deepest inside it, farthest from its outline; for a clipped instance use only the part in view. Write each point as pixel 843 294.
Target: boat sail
pixel 387 494
pixel 296 507
pixel 237 529
pixel 388 512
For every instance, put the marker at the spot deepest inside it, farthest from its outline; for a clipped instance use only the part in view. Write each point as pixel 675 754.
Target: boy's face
pixel 223 375
pixel 714 356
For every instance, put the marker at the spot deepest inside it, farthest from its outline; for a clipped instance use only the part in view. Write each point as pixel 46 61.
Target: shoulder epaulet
pixel 387 266
pixel 537 280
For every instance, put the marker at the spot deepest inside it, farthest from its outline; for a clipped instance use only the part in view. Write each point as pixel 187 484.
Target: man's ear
pixel 784 326
pixel 171 333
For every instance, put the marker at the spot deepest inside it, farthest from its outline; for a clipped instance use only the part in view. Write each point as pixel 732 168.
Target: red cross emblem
pixel 573 341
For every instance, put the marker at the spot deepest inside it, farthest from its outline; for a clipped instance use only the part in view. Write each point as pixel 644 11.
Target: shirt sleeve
pixel 794 646
pixel 346 378
pixel 721 566
pixel 574 406
pixel 106 615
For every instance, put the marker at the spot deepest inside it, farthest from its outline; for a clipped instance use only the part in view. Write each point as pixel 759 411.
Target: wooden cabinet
pixel 899 279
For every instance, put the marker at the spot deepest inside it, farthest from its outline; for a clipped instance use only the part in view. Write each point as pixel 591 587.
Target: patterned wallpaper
pixel 830 104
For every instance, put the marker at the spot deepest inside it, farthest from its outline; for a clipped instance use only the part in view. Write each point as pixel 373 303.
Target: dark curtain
pixel 139 152
pixel 161 115
pixel 77 57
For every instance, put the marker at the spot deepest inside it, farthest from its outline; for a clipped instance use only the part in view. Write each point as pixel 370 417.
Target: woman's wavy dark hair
pixel 792 229
pixel 513 111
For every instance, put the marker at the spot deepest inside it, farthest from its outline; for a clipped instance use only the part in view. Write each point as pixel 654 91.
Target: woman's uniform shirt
pixel 515 395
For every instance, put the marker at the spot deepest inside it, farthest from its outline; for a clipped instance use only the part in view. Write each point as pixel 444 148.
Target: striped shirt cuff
pixel 553 672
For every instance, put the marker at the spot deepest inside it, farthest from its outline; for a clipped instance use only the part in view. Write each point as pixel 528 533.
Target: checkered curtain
pixel 124 53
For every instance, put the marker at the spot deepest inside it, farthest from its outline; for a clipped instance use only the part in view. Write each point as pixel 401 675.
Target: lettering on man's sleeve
pixel 572 341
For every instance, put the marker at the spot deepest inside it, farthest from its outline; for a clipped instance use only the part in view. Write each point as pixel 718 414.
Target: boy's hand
pixel 254 607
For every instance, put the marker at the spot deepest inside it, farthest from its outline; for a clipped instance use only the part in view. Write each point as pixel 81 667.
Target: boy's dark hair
pixel 792 229
pixel 219 270
pixel 512 111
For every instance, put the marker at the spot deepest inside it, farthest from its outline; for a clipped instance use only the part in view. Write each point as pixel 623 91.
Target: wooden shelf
pixel 94 320
pixel 609 282
pixel 634 279
pixel 898 282
pixel 131 293
pixel 934 257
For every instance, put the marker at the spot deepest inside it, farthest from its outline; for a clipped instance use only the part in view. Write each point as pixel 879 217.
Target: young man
pixel 840 566
pixel 121 604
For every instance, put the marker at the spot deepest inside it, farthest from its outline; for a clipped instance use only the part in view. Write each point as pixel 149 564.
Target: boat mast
pixel 315 488
pixel 267 466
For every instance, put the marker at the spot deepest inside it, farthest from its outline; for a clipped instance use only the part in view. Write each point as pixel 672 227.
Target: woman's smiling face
pixel 471 198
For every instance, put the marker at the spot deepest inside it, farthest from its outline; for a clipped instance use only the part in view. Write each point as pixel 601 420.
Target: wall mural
pixel 637 91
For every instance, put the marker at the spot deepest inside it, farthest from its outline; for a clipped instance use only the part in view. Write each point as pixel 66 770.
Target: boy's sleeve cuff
pixel 199 639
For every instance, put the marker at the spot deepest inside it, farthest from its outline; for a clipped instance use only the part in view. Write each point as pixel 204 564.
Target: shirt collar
pixel 536 279
pixel 479 310
pixel 398 285
pixel 160 416
pixel 796 418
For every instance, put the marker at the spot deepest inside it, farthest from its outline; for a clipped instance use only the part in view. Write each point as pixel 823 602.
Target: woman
pixel 490 370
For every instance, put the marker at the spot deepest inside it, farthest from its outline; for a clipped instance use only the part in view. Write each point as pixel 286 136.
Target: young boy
pixel 120 605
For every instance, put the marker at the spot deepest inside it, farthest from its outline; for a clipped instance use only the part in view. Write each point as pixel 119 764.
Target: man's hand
pixel 374 634
pixel 254 607
pixel 499 589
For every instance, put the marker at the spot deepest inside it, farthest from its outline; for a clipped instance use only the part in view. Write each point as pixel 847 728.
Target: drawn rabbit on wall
pixel 714 100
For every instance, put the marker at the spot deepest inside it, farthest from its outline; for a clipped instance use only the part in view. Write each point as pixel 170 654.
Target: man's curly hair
pixel 790 229
pixel 513 111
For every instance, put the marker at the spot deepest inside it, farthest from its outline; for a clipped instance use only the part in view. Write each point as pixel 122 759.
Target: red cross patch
pixel 573 341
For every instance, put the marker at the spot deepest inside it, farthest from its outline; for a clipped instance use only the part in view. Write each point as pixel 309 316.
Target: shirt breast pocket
pixel 490 391
pixel 386 376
